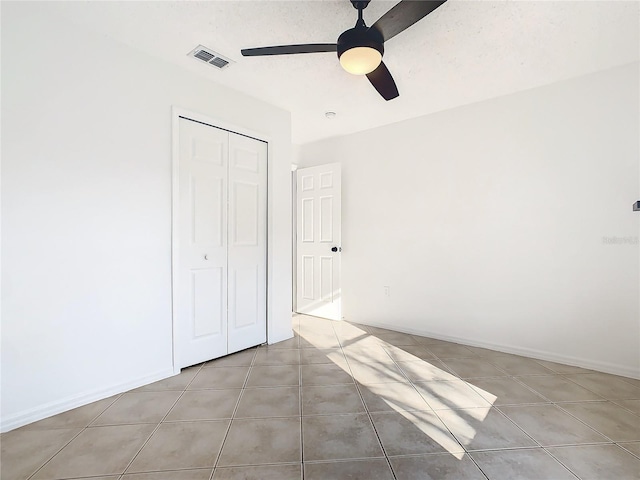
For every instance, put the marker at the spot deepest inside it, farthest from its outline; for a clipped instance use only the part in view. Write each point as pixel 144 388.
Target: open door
pixel 318 233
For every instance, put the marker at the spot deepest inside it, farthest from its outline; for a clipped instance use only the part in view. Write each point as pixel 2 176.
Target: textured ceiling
pixel 464 52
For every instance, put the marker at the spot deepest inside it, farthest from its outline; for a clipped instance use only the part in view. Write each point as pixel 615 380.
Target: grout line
pixel 300 403
pixel 384 452
pixel 561 463
pixel 105 409
pixel 62 448
pixel 475 462
pixel 626 408
pixel 343 460
pixel 585 423
pixel 587 388
pixel 144 444
pixel 435 412
pixel 82 429
pixel 467 382
pixel 621 445
pixel 242 465
pixel 559 404
pixel 609 441
pixel 233 414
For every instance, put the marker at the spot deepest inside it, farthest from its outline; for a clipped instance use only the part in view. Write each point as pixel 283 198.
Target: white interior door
pixel 220 273
pixel 247 242
pixel 201 286
pixel 318 205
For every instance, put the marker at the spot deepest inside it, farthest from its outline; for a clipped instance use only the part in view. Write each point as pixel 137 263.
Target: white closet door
pixel 247 261
pixel 201 286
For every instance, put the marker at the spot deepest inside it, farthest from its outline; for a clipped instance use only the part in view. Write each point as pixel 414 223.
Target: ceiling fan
pixel 360 48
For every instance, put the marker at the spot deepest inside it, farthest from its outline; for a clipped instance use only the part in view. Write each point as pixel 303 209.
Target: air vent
pixel 204 55
pixel 219 62
pixel 207 55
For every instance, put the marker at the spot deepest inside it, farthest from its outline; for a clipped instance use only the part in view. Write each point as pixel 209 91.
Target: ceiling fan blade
pixel 382 81
pixel 403 15
pixel 289 49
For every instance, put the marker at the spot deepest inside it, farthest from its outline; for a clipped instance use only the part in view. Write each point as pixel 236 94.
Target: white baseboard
pixel 59 406
pixel 599 366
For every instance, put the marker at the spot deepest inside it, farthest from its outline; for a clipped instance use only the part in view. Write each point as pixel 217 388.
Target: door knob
pixel 205 257
pixel 336 249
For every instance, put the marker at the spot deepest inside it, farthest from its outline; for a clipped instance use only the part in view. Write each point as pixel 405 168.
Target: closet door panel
pixel 201 286
pixel 247 247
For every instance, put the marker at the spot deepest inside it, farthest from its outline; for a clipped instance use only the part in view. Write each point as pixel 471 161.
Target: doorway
pixel 318 249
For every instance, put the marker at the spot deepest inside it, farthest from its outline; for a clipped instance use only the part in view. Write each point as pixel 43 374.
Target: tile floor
pixel 347 401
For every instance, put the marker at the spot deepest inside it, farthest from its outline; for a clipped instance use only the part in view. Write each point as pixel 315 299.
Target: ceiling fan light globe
pixel 360 60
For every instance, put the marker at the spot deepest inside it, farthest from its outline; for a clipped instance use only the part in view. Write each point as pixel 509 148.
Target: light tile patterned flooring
pixel 347 401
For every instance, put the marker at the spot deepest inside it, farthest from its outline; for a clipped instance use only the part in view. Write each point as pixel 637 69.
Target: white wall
pixel 489 221
pixel 86 212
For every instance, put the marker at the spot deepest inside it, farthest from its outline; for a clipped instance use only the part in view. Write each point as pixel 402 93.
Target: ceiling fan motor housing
pixel 360 37
pixel 360 4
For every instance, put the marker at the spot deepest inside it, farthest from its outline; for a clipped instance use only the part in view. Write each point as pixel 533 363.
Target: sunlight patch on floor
pixel 375 364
